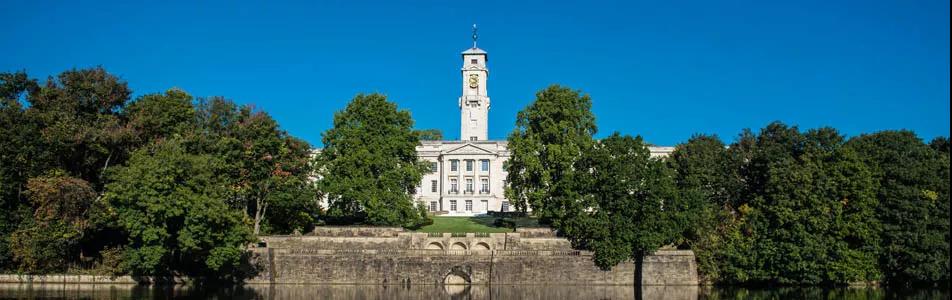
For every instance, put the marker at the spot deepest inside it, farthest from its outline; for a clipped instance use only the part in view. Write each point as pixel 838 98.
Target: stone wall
pixel 398 257
pixel 406 267
pixel 355 231
pixel 670 267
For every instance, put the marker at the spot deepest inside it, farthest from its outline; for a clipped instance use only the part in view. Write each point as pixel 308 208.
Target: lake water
pixel 349 292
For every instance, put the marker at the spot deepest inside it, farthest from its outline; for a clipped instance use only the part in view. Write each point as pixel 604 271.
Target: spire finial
pixel 475 36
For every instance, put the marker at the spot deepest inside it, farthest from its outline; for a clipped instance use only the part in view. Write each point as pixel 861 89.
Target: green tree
pixel 50 239
pixel 80 115
pixel 171 204
pixel 550 137
pixel 20 156
pixel 156 116
pixel 626 211
pixel 913 192
pixel 432 134
pixel 265 164
pixel 369 167
pixel 809 218
pixel 705 179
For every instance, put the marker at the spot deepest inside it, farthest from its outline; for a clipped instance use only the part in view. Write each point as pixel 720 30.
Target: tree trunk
pixel 260 210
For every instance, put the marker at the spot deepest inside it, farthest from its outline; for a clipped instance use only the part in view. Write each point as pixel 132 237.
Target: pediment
pixel 469 149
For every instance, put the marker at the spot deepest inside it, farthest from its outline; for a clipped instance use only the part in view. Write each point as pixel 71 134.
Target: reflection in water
pixel 347 292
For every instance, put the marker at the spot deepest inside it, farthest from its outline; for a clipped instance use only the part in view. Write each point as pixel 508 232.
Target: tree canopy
pixel 369 167
pixel 551 136
pixel 72 195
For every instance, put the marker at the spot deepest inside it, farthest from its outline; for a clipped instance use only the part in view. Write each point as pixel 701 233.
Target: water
pixel 349 292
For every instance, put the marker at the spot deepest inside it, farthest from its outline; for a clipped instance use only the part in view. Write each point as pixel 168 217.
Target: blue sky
pixel 659 69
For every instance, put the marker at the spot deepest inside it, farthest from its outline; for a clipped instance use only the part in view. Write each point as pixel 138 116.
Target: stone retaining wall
pixel 96 279
pixel 420 266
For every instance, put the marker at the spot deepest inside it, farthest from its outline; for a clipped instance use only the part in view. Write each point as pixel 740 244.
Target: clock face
pixel 473 80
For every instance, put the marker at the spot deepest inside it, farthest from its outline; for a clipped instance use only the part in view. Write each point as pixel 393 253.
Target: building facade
pixel 467 176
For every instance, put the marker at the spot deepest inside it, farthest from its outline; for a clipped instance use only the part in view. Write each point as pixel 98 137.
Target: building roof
pixel 474 50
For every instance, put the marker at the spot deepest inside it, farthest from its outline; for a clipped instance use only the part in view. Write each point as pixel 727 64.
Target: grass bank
pixel 484 224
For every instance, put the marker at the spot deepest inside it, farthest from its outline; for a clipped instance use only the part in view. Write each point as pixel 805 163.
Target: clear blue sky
pixel 661 70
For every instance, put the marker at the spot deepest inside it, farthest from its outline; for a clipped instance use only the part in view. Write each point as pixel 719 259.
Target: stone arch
pixel 435 246
pixel 458 246
pixel 457 275
pixel 482 246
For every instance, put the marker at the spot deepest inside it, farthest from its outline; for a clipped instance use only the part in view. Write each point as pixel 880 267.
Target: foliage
pixel 629 205
pixel 172 205
pixel 810 216
pixel 265 165
pixel 19 159
pixel 550 137
pixel 80 115
pixel 369 167
pixel 158 116
pixel 432 134
pixel 46 242
pixel 913 192
pixel 704 178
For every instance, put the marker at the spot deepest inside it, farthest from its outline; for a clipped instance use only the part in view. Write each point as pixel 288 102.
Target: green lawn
pixel 472 224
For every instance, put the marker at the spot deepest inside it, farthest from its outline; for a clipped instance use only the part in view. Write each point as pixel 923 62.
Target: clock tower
pixel 474 102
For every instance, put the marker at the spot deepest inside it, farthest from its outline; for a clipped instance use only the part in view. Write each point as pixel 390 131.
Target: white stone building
pixel 467 177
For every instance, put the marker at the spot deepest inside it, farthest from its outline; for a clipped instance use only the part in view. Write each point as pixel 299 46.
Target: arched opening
pixel 457 275
pixel 435 246
pixel 454 279
pixel 458 246
pixel 481 246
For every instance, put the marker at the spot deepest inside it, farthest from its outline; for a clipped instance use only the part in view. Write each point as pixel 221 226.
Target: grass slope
pixel 472 224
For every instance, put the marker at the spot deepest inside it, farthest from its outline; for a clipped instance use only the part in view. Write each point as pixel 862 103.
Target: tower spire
pixel 475 36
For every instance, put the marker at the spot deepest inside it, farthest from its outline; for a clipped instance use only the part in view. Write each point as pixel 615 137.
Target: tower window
pixel 473 138
pixel 473 61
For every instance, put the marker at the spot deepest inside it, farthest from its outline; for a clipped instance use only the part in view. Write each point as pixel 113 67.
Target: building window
pixel 433 167
pixel 485 206
pixel 484 165
pixel 454 186
pixel 469 185
pixel 452 205
pixel 469 205
pixel 469 165
pixel 433 206
pixel 473 138
pixel 454 165
pixel 473 61
pixel 505 206
pixel 434 186
pixel 484 186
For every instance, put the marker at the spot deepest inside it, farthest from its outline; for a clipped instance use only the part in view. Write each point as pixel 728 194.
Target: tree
pixel 551 136
pixel 369 167
pixel 809 217
pixel 265 163
pixel 703 169
pixel 80 113
pixel 432 134
pixel 50 239
pixel 913 193
pixel 626 209
pixel 20 156
pixel 171 203
pixel 158 116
